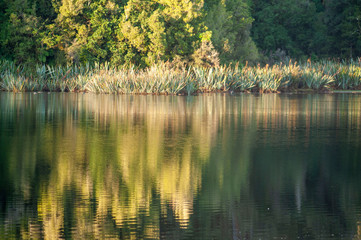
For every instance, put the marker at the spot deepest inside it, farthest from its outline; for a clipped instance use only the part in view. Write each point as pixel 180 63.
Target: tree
pixel 153 30
pixel 344 24
pixel 83 30
pixel 230 22
pixel 141 33
pixel 21 32
pixel 287 25
pixel 3 27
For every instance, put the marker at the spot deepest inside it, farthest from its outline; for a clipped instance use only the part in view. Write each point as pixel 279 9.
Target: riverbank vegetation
pixel 168 78
pixel 179 47
pixel 201 32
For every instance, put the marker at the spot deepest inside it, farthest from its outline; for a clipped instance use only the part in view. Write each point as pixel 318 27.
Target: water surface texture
pixel 84 166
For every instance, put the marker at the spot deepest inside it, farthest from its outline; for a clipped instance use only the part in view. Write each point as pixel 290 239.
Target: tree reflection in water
pixel 211 166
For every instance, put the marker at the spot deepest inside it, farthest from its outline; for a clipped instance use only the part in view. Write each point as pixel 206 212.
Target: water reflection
pixel 213 166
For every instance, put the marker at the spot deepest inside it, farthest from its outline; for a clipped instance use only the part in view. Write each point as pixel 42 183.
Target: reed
pixel 349 77
pixel 269 79
pixel 12 82
pixel 244 79
pixel 316 78
pixel 165 78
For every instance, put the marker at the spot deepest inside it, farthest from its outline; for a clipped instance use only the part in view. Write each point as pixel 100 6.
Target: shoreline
pixel 168 79
pixel 231 93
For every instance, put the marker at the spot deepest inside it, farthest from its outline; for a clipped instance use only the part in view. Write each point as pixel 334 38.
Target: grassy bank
pixel 168 79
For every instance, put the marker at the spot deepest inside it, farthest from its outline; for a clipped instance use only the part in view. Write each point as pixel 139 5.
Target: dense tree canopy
pixel 144 32
pixel 230 22
pixel 304 28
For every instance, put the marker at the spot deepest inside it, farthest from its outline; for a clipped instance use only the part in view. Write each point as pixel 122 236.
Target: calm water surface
pixel 84 166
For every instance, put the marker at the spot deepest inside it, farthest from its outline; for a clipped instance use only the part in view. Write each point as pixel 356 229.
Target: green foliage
pixel 316 78
pixel 3 27
pixel 348 76
pixel 150 31
pixel 167 78
pixel 84 30
pixel 20 33
pixel 308 28
pixel 141 33
pixel 287 25
pixel 199 32
pixel 350 26
pixel 230 22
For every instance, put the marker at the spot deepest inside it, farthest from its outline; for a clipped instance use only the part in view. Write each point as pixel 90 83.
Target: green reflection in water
pixel 212 166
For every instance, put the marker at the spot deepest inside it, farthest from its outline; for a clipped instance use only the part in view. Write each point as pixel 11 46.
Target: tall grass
pixel 165 78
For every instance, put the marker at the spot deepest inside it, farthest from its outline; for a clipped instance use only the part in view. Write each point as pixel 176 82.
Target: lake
pixel 218 166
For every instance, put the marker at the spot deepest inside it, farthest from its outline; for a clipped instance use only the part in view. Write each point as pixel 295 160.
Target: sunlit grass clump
pixel 165 78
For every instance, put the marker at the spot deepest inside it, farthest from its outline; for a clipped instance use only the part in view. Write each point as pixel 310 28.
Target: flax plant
pixel 316 78
pixel 204 78
pixel 165 78
pixel 12 82
pixel 39 79
pixel 291 75
pixel 269 79
pixel 349 77
pixel 245 79
pixel 101 83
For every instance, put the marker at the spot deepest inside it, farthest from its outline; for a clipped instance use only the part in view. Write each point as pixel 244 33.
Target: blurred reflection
pixel 211 166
